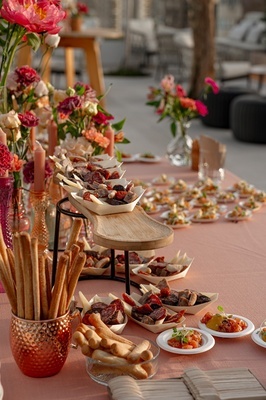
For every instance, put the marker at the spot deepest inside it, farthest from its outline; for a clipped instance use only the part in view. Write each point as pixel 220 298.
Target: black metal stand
pixel 60 210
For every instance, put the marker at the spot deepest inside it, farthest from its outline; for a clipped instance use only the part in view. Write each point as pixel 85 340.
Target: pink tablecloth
pixel 229 259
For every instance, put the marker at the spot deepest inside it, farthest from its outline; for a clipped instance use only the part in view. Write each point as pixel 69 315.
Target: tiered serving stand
pixel 130 231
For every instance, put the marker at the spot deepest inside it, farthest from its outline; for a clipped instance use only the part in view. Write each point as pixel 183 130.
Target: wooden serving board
pixel 134 230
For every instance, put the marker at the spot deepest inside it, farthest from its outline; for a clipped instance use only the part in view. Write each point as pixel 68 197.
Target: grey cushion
pixel 256 32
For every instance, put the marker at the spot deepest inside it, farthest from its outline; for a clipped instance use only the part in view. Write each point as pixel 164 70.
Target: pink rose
pixel 168 83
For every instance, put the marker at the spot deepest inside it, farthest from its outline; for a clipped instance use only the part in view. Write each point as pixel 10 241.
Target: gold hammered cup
pixel 40 348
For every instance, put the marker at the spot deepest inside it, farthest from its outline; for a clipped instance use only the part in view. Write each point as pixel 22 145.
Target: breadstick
pixel 48 280
pixel 121 363
pixel 3 253
pixel 93 339
pixel 135 355
pixel 146 355
pixel 77 268
pixel 75 249
pixel 8 285
pixel 11 261
pixel 79 339
pixel 24 240
pixel 19 277
pixel 35 279
pixel 3 248
pixel 74 232
pixel 44 302
pixel 58 286
pixel 81 245
pixel 82 328
pixel 86 350
pixel 105 332
pixel 120 349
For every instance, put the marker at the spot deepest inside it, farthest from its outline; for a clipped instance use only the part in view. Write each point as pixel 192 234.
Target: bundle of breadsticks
pixel 118 354
pixel 26 276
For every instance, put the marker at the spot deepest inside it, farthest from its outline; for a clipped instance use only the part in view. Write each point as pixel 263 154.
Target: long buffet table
pixel 229 258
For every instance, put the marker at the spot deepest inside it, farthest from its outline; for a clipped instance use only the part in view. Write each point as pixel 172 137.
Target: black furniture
pixel 248 118
pixel 219 106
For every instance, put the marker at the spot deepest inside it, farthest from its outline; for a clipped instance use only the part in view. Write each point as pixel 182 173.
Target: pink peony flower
pixel 201 108
pixel 28 119
pixel 5 159
pixel 35 16
pixel 213 85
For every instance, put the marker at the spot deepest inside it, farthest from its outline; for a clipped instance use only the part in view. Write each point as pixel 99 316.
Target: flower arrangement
pixel 26 22
pixel 171 101
pixel 79 9
pixel 82 122
pixel 32 23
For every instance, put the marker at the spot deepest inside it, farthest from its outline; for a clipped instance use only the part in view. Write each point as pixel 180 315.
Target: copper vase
pixel 40 348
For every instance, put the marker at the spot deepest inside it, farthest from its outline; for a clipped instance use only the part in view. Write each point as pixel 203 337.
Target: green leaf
pixel 118 125
pixel 33 40
pixel 173 128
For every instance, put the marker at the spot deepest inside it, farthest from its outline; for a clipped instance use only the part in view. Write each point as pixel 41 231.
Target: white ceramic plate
pixel 189 309
pixel 156 279
pixel 207 342
pixel 249 329
pixel 154 159
pixel 255 336
pixel 105 208
pixel 1 392
pixel 86 305
pixel 234 219
pixel 131 158
pixel 242 204
pixel 157 328
pixel 94 271
pixel 205 220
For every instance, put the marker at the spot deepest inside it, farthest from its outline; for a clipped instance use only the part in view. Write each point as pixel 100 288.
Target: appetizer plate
pixel 142 158
pixel 86 305
pixel 158 327
pixel 165 214
pixel 156 279
pixel 103 208
pixel 94 271
pixel 179 226
pixel 120 268
pixel 205 220
pixel 255 336
pixel 129 158
pixel 189 309
pixel 235 219
pixel 249 329
pixel 207 342
pixel 161 182
pixel 258 206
